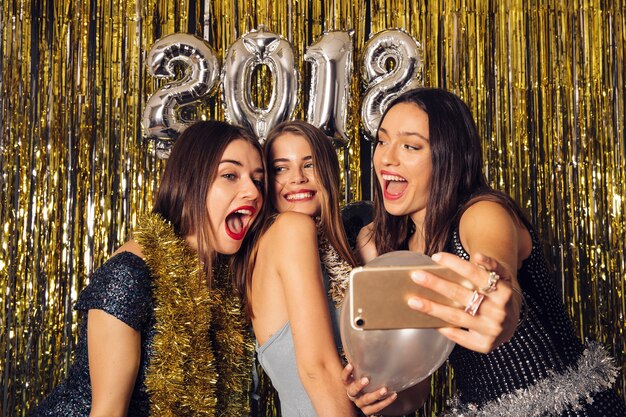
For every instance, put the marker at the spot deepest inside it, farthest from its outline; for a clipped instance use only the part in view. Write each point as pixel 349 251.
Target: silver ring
pixel 474 303
pixel 492 283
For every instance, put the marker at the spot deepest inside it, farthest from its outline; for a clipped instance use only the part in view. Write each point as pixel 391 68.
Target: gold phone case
pixel 379 296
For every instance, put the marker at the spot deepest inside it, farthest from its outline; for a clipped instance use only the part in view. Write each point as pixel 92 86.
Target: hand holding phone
pixel 379 292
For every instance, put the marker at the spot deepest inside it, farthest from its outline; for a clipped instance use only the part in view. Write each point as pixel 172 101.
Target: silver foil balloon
pixel 329 94
pixel 396 359
pixel 201 73
pixel 244 55
pixel 384 84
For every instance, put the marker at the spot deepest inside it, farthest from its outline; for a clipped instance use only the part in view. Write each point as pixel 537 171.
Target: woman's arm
pixel 365 246
pixel 114 354
pixel 495 242
pixel 294 241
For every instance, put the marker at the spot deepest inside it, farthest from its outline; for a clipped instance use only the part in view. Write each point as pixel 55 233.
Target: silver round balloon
pixel 396 359
pixel 384 84
pixel 329 93
pixel 201 72
pixel 244 55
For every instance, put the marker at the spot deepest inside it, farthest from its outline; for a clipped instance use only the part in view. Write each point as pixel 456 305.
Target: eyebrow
pixel 306 158
pixel 231 161
pixel 239 164
pixel 404 133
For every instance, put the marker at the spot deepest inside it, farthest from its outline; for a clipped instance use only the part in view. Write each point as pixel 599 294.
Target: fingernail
pixel 394 395
pixel 349 367
pixel 416 303
pixel 436 257
pixel 418 276
pixel 383 391
pixel 365 381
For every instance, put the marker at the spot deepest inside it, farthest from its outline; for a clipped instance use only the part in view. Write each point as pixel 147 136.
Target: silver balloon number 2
pixel 385 82
pixel 201 73
pixel 329 94
pixel 254 49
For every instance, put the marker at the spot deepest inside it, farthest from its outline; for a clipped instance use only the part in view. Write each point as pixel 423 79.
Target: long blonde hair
pixel 326 166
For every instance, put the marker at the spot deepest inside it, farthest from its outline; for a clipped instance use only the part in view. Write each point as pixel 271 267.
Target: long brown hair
pixel 326 166
pixel 190 172
pixel 457 174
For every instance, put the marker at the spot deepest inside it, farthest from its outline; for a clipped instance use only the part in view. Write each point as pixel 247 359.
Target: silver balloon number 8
pixel 329 94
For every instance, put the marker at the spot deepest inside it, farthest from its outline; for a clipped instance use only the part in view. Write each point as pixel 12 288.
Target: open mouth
pixel 300 196
pixel 238 221
pixel 393 186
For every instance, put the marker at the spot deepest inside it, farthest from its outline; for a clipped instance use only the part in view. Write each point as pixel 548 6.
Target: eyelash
pixel 279 169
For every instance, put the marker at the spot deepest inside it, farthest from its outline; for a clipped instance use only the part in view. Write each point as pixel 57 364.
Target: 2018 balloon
pixel 329 93
pixel 396 359
pixel 254 49
pixel 383 83
pixel 201 69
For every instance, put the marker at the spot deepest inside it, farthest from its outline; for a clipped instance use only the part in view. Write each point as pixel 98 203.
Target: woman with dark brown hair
pixel 298 271
pixel 157 324
pixel 432 197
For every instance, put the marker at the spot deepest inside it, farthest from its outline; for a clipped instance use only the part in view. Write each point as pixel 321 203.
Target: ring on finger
pixel 492 283
pixel 474 303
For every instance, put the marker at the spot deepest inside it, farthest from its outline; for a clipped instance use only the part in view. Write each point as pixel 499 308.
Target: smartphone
pixel 379 296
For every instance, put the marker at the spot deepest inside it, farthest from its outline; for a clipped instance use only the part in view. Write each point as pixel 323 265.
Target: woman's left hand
pixel 495 305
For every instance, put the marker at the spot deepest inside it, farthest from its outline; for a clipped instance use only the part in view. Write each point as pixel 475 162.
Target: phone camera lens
pixel 359 322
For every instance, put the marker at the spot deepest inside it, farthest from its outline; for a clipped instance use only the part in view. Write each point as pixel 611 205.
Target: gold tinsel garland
pixel 194 326
pixel 231 337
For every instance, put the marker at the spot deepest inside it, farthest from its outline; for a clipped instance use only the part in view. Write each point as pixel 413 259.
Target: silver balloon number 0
pixel 385 82
pixel 254 49
pixel 201 73
pixel 329 94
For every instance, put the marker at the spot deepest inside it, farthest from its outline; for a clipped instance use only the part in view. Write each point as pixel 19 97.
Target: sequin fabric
pixel 527 368
pixel 121 287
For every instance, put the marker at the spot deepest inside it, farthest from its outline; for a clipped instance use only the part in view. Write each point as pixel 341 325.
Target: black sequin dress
pixel 544 370
pixel 122 288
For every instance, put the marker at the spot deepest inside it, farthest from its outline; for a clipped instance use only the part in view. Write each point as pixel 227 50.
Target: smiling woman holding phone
pixel 432 197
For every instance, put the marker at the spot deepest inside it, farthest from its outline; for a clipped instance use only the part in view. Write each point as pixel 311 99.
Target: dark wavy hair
pixel 191 170
pixel 457 179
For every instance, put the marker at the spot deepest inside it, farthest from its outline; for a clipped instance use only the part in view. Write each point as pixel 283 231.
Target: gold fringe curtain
pixel 544 78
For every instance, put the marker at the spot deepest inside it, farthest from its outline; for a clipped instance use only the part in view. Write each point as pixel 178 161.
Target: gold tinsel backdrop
pixel 545 80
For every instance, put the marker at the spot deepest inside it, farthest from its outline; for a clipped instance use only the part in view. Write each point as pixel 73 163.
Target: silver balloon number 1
pixel 201 73
pixel 385 82
pixel 329 94
pixel 254 49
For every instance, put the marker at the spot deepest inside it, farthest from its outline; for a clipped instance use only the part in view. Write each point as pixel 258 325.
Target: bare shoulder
pixel 289 227
pixel 487 212
pixel 290 221
pixel 131 246
pixel 365 246
pixel 490 224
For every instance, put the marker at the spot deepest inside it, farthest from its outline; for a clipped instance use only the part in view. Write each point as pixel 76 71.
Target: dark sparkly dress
pixel 544 370
pixel 121 287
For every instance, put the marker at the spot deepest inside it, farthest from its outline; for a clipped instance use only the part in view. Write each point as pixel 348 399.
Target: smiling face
pixel 402 161
pixel 235 196
pixel 294 184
